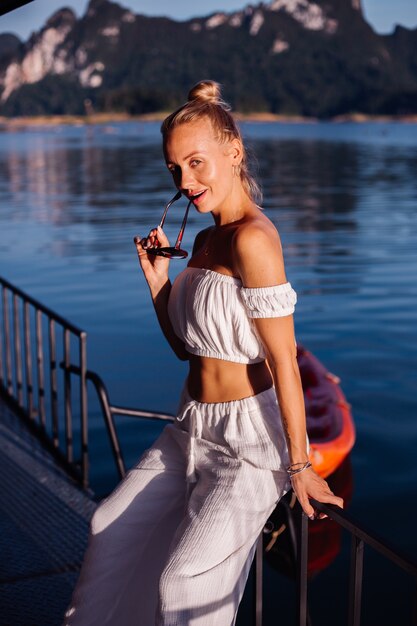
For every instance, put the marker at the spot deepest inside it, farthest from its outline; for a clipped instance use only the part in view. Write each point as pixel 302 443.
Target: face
pixel 201 166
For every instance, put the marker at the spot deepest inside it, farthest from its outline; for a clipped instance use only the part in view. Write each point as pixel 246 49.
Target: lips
pixel 197 197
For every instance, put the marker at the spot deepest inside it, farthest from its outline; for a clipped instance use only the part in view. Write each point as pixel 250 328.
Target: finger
pixel 139 243
pixel 142 252
pixel 307 507
pixel 335 500
pixel 162 238
pixel 154 240
pixel 332 499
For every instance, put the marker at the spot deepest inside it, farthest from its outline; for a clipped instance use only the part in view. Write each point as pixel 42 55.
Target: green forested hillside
pixel 318 59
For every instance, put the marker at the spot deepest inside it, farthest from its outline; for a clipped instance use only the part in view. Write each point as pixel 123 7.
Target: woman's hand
pixel 307 484
pixel 154 267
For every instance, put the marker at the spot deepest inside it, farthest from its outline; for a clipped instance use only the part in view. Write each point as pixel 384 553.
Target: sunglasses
pixel 172 252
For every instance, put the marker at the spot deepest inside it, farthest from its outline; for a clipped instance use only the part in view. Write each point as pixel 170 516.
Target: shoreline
pixel 265 118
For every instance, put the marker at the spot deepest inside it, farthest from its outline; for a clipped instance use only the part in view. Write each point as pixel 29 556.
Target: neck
pixel 224 220
pixel 235 210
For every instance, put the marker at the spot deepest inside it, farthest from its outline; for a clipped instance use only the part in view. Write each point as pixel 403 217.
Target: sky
pixel 381 14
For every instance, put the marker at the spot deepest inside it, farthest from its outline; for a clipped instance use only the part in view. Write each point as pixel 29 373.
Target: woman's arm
pixel 155 270
pixel 160 297
pixel 259 261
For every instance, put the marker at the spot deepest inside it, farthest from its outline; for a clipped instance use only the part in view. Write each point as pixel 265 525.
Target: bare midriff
pixel 214 380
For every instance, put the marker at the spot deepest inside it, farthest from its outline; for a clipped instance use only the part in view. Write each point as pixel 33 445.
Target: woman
pixel 173 544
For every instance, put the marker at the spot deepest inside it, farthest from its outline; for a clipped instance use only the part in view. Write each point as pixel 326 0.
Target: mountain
pixel 9 45
pixel 316 58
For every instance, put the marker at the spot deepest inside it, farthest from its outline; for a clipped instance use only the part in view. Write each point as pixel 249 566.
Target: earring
pixel 236 170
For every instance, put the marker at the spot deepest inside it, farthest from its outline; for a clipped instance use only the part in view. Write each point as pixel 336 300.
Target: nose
pixel 186 180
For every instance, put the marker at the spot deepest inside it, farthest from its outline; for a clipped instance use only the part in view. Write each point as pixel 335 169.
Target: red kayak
pixel 330 426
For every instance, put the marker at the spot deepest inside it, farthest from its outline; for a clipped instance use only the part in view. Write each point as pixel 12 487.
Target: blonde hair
pixel 205 101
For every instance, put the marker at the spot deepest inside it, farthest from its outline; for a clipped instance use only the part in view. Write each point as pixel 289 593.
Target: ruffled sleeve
pixel 275 301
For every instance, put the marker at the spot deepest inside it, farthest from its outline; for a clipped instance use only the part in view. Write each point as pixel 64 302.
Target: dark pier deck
pixel 44 518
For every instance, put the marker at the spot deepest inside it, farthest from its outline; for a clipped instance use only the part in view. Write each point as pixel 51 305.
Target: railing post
pixel 355 589
pixel 302 561
pixel 109 421
pixel 355 585
pixel 83 408
pixel 28 361
pixel 41 374
pixel 67 397
pixel 17 351
pixel 8 359
pixel 53 383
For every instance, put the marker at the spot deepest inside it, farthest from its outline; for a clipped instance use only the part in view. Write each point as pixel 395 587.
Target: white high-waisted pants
pixel 173 544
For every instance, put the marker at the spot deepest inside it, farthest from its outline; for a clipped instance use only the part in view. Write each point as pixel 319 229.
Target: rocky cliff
pixel 316 58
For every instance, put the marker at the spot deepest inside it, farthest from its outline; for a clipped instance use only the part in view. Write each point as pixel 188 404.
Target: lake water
pixel 344 198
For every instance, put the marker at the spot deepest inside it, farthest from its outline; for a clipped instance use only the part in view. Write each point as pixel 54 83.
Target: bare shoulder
pixel 200 238
pixel 257 252
pixel 257 231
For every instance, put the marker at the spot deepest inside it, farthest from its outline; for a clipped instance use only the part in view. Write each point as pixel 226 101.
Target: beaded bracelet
pixel 292 472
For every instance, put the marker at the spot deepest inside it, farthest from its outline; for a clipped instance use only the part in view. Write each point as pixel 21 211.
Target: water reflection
pixel 314 183
pixel 52 183
pixel 92 190
pixel 316 177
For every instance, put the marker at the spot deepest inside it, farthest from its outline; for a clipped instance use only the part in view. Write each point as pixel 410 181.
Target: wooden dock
pixel 44 520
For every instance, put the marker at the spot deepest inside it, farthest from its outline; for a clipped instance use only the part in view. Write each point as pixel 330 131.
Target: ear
pixel 235 151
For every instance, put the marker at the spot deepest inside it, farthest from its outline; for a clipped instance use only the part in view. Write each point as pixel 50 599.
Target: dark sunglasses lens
pixel 168 253
pixel 176 253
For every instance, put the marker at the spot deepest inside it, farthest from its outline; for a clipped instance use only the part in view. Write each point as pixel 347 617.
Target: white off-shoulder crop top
pixel 212 313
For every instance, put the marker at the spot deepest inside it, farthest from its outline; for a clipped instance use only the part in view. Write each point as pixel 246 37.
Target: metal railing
pixel 31 361
pixel 110 411
pixel 359 538
pixel 33 340
pixel 23 365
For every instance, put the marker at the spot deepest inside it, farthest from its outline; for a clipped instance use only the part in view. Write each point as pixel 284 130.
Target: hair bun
pixel 208 92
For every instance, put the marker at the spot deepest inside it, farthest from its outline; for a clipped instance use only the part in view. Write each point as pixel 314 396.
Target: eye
pixel 195 162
